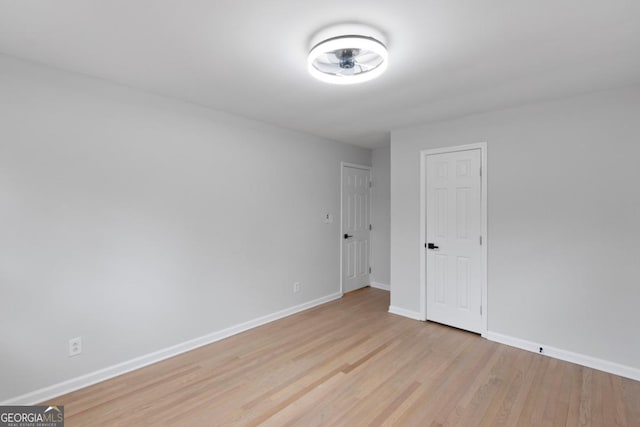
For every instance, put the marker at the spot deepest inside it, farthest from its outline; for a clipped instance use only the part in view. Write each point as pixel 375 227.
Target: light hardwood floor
pixel 350 363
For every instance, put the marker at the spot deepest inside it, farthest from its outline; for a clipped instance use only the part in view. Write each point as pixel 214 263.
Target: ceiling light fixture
pixel 348 59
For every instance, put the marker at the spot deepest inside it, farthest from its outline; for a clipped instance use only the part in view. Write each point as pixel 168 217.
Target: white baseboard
pixel 77 383
pixel 569 356
pixel 406 313
pixel 382 286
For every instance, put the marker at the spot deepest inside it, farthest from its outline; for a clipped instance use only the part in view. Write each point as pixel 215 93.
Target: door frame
pixel 368 169
pixel 482 146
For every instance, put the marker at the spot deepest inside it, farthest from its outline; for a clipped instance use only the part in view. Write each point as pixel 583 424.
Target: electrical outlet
pixel 296 287
pixel 75 346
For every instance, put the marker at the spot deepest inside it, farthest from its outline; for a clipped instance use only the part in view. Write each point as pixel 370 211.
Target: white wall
pixel 139 222
pixel 564 220
pixel 380 242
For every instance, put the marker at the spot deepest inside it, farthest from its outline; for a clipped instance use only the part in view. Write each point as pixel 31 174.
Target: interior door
pixel 355 228
pixel 453 240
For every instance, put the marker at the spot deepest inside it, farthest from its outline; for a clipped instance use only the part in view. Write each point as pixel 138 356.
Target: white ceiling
pixel 447 57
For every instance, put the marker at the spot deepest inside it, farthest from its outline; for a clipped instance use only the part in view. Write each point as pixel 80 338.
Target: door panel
pixel 453 225
pixel 355 224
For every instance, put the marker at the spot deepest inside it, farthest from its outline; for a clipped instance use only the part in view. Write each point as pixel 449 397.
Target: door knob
pixel 432 246
pixel 346 236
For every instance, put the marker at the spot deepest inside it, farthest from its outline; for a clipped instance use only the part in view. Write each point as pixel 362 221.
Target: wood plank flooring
pixel 350 363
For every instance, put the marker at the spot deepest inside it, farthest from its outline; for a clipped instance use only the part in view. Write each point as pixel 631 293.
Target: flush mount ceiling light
pixel 348 59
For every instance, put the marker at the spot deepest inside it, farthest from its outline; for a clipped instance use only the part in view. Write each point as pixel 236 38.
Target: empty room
pixel 338 213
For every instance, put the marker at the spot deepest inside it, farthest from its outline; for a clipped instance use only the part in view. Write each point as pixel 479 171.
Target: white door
pixel 453 228
pixel 355 228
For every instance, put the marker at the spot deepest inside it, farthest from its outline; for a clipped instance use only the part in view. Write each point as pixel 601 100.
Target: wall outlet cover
pixel 75 346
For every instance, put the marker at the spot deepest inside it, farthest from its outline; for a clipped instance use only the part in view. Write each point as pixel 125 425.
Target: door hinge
pixel 369 227
pixel 369 270
pixel 480 240
pixel 480 170
pixel 370 184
